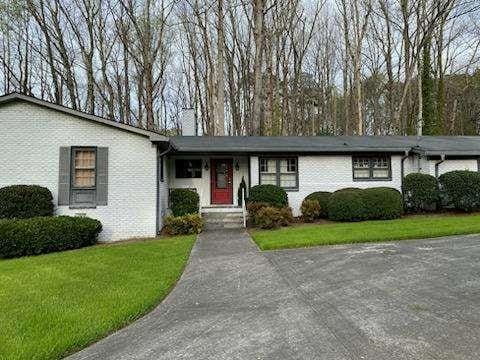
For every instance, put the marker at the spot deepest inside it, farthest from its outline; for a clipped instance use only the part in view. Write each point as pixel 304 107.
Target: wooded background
pixel 252 67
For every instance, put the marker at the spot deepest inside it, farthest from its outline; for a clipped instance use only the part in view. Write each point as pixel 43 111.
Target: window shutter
pixel 64 172
pixel 102 176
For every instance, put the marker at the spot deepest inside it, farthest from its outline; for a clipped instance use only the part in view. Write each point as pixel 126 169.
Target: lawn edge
pixel 143 313
pixel 283 248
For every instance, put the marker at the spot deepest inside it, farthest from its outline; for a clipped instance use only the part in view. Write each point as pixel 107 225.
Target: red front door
pixel 221 181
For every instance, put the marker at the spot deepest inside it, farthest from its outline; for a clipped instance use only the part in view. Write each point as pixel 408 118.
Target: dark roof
pixel 12 97
pixel 427 145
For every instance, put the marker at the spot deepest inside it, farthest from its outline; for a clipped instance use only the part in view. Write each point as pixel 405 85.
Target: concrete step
pixel 223 220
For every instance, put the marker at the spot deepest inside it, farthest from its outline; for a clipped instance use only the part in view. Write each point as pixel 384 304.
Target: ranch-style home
pixel 122 175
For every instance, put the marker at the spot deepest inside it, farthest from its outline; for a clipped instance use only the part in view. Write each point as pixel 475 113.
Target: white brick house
pixel 122 175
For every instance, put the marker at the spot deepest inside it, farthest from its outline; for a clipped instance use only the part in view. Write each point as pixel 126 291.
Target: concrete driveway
pixel 399 300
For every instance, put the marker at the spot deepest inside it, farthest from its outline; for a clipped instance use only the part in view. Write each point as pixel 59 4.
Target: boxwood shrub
pixel 365 204
pixel 25 201
pixel 382 203
pixel 40 235
pixel 420 192
pixel 184 202
pixel 271 194
pixel 460 190
pixel 183 225
pixel 323 197
pixel 347 205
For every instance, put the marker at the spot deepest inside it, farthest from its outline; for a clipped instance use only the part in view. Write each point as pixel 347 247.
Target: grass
pixel 52 305
pixel 415 227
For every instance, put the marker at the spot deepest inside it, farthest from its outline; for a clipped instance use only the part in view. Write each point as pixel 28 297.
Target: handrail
pixel 244 208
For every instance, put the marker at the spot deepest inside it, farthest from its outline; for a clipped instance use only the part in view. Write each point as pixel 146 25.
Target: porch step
pixel 223 220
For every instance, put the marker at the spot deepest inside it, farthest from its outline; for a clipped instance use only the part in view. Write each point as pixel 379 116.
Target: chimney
pixel 188 123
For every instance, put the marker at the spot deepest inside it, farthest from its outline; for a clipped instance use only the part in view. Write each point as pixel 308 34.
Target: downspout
pixel 402 168
pixel 437 164
pixel 157 206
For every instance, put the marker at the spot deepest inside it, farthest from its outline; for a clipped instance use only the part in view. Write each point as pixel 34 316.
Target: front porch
pixel 217 179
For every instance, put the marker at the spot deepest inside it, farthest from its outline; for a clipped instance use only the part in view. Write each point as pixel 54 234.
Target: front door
pixel 221 181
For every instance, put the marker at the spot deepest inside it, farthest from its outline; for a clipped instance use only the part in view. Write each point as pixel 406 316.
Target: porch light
pixel 206 165
pixel 237 166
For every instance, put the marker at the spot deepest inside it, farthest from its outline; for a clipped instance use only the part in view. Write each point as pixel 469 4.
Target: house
pixel 122 175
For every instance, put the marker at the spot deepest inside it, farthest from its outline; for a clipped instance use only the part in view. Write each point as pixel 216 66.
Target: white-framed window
pixel 281 172
pixel 372 167
pixel 188 168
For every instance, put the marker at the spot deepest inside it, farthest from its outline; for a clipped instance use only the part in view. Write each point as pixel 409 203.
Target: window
pixel 281 172
pixel 371 168
pixel 84 168
pixel 186 169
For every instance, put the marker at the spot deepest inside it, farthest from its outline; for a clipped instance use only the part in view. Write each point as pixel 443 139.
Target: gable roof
pixel 426 145
pixel 13 97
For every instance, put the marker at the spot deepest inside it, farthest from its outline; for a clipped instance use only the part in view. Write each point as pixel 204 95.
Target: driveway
pixel 398 300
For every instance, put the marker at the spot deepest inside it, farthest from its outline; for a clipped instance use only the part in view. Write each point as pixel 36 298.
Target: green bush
pixel 40 235
pixel 347 205
pixel 365 204
pixel 271 194
pixel 420 192
pixel 25 201
pixel 184 202
pixel 183 225
pixel 323 197
pixel 382 203
pixel 271 217
pixel 310 210
pixel 460 190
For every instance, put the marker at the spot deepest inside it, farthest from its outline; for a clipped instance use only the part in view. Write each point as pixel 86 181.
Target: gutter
pixel 157 185
pixel 437 164
pixel 402 168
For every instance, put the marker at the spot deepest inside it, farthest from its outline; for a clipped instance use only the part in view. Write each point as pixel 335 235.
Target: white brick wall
pixel 328 173
pixel 30 138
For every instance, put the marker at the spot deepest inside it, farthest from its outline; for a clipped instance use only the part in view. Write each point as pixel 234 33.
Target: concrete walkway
pixel 406 300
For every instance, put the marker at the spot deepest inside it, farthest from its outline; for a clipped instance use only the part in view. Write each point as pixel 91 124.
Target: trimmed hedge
pixel 382 203
pixel 184 202
pixel 271 194
pixel 40 235
pixel 365 204
pixel 460 190
pixel 420 192
pixel 347 205
pixel 183 225
pixel 323 197
pixel 25 201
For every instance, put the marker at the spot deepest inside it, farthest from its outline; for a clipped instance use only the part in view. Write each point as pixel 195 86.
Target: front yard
pixel 54 304
pixel 414 227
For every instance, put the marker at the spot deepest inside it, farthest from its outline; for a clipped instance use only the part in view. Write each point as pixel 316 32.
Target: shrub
pixel 323 197
pixel 40 235
pixel 461 190
pixel 420 192
pixel 254 207
pixel 310 210
pixel 184 202
pixel 271 217
pixel 382 203
pixel 183 225
pixel 25 201
pixel 287 216
pixel 347 205
pixel 271 194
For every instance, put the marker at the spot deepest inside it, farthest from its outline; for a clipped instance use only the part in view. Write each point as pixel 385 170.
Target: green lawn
pixel 52 305
pixel 415 227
